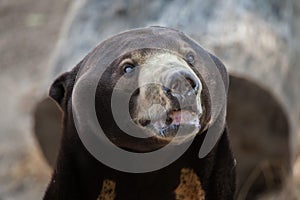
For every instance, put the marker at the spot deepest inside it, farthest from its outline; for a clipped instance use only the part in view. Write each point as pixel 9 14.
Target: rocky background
pixel 29 30
pixel 259 42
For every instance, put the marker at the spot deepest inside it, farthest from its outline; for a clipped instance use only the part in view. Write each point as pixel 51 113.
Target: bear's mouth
pixel 187 121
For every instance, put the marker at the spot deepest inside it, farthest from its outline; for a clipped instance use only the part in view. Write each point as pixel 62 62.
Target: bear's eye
pixel 128 68
pixel 190 58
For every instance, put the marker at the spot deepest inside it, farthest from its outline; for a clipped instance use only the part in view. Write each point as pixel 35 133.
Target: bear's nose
pixel 180 83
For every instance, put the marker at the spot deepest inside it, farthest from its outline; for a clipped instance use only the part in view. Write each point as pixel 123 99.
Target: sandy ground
pixel 28 32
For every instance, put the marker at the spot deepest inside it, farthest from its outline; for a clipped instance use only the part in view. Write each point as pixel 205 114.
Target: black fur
pixel 79 176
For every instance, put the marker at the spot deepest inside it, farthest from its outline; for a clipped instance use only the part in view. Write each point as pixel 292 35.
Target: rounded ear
pixel 58 89
pixel 222 70
pixel 61 88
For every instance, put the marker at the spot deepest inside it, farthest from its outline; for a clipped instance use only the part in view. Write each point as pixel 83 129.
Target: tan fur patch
pixel 108 190
pixel 189 187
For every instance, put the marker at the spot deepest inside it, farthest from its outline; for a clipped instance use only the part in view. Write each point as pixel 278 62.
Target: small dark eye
pixel 190 58
pixel 128 68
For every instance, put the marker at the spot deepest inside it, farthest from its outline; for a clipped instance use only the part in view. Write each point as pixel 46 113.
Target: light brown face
pixel 168 94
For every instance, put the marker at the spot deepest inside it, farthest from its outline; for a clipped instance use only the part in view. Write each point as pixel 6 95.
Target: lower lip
pixel 186 121
pixel 172 129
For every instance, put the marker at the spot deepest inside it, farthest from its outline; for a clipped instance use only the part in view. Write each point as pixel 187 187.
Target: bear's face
pixel 171 88
pixel 165 95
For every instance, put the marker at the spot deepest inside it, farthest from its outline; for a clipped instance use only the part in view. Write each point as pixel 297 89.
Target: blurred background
pixel 259 42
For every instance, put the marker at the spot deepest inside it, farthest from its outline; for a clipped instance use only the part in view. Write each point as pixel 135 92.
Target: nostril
pixel 166 90
pixel 181 83
pixel 144 122
pixel 193 83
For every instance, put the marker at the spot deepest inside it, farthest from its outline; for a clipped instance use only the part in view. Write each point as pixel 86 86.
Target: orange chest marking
pixel 189 187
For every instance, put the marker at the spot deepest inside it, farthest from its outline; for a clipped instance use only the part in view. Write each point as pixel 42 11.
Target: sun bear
pixel 148 89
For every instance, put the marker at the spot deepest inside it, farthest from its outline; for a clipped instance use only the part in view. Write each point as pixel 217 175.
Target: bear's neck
pixel 96 180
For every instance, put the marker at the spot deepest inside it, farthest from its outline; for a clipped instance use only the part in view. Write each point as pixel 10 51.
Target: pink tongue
pixel 184 117
pixel 176 116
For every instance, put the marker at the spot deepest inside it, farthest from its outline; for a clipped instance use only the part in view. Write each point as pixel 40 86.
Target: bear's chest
pixel 185 186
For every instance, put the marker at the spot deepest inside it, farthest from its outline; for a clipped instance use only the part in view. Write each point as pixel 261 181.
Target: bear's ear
pixel 61 88
pixel 58 89
pixel 221 67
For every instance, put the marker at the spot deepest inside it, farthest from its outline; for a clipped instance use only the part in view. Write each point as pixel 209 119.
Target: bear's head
pixel 143 86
